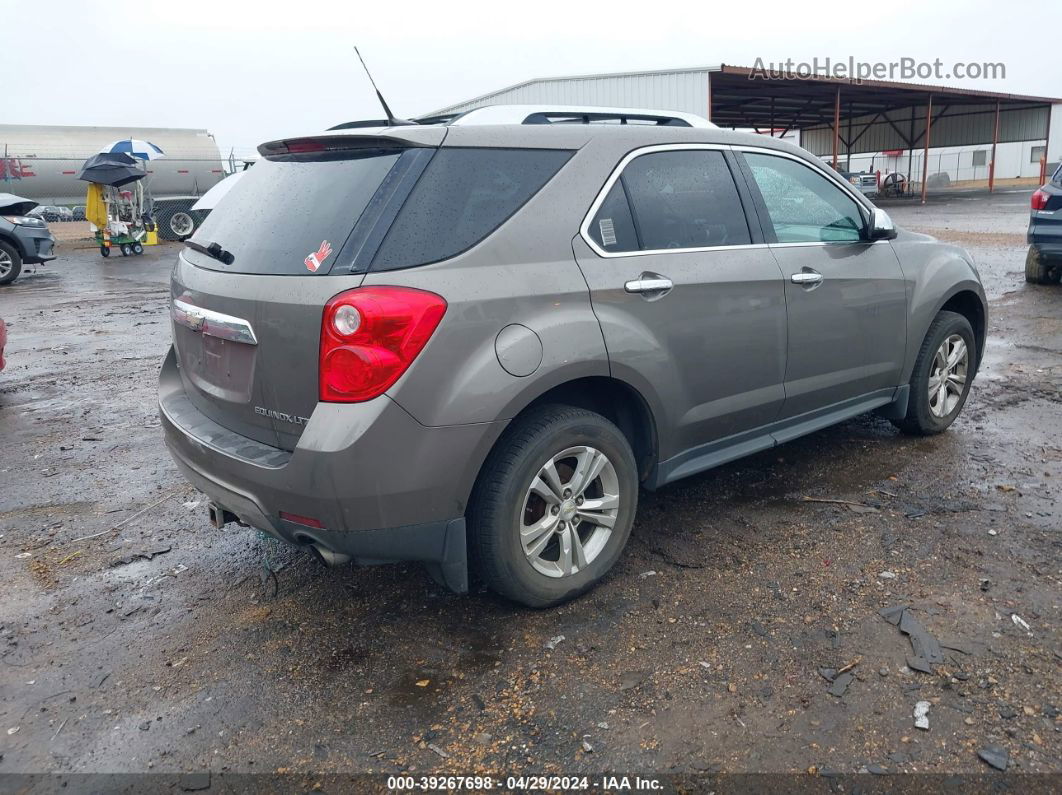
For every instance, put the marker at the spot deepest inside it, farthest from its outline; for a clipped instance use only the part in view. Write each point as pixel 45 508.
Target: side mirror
pixel 881 226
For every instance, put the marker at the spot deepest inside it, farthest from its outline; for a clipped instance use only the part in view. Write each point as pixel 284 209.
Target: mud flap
pixel 897 410
pixel 452 571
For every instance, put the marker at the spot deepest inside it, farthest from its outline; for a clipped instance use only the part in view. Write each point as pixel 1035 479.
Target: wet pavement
pixel 739 632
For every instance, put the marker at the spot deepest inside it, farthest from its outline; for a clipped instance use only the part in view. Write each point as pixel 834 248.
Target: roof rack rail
pixel 566 114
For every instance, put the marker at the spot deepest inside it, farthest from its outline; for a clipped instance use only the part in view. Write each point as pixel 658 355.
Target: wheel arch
pixel 969 304
pixel 14 242
pixel 614 399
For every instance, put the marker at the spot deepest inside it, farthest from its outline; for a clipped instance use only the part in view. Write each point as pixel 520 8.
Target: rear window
pixel 285 217
pixel 463 196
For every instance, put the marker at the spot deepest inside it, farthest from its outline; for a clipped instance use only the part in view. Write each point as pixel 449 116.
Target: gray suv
pixel 471 345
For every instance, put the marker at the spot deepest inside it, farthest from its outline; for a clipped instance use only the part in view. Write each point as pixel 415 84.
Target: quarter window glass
pixel 685 199
pixel 613 226
pixel 804 206
pixel 463 196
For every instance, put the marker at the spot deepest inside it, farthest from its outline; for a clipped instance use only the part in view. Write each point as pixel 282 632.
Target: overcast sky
pixel 253 71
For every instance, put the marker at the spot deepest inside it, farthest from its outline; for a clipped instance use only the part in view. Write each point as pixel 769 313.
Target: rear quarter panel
pixel 523 273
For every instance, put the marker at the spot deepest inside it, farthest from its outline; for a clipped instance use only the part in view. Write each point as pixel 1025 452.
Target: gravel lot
pixel 135 637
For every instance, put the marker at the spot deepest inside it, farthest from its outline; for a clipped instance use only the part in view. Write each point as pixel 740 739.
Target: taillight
pixel 1039 199
pixel 370 336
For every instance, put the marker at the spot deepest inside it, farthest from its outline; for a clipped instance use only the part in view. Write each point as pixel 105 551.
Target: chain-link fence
pixel 172 185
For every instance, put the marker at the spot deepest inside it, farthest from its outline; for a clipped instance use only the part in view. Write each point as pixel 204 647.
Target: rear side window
pixel 280 213
pixel 677 200
pixel 463 196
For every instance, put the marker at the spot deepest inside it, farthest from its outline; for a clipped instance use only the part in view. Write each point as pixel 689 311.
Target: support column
pixel 836 125
pixel 925 154
pixel 1047 149
pixel 995 140
pixel 709 96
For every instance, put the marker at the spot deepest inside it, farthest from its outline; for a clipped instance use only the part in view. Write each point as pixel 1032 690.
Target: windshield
pixel 292 217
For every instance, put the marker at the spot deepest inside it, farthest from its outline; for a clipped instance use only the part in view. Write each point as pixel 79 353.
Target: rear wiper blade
pixel 213 250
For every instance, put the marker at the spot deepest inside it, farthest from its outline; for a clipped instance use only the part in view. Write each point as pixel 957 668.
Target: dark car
pixel 79 213
pixel 24 237
pixel 1043 265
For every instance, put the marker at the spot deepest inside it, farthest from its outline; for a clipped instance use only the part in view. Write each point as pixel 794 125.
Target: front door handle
pixel 806 278
pixel 650 285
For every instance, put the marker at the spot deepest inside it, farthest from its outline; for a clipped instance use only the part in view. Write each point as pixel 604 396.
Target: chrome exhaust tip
pixel 328 557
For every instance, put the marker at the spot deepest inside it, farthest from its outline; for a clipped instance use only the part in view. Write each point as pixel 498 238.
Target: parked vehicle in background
pixel 24 237
pixel 47 212
pixel 1043 264
pixel 489 338
pixel 66 214
pixel 79 213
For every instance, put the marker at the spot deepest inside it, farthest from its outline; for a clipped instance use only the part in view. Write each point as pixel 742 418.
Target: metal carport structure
pixel 835 117
pixel 874 115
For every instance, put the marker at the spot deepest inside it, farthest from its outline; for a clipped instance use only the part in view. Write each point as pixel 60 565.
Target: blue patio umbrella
pixel 142 150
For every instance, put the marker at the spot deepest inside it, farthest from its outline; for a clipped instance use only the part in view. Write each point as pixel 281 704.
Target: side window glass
pixel 685 199
pixel 804 206
pixel 613 227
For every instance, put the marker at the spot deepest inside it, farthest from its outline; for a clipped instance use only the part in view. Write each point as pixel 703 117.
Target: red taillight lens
pixel 391 326
pixel 1039 200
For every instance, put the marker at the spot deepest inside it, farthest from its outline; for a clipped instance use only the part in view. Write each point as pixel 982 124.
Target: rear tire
pixel 10 263
pixel 542 553
pixel 105 251
pixel 1040 270
pixel 939 388
pixel 138 249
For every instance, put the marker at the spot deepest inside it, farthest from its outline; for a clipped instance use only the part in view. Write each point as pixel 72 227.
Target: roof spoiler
pixel 329 144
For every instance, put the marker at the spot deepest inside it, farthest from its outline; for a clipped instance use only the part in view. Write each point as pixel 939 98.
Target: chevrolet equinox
pixel 470 344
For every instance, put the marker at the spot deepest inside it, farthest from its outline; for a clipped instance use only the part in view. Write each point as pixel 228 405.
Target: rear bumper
pixel 383 487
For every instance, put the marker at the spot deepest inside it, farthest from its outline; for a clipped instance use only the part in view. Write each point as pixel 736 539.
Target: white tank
pixel 41 163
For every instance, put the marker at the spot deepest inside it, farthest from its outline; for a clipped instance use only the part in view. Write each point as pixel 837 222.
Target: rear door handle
pixel 650 285
pixel 807 278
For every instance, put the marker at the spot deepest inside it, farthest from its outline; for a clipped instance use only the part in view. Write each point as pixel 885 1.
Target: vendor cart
pixel 116 204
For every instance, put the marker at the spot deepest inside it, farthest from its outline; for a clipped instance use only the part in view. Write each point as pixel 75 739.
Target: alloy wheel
pixel 569 511
pixel 947 375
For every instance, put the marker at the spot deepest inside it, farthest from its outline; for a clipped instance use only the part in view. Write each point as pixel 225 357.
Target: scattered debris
pixel 1020 622
pixel 631 679
pixel 926 648
pixel 645 574
pixel 146 553
pixel 855 507
pixel 921 715
pixel 13 730
pixel 61 725
pixel 587 748
pixel 887 575
pixel 840 685
pixel 423 682
pixel 995 755
pixel 555 641
pixel 438 750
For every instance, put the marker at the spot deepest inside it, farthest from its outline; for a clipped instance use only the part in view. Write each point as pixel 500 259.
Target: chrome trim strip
pixel 215 324
pixel 584 228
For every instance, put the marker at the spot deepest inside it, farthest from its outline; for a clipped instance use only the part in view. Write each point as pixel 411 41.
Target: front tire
pixel 943 373
pixel 553 506
pixel 10 263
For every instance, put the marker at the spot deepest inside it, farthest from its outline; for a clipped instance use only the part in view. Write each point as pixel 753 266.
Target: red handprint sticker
pixel 316 258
